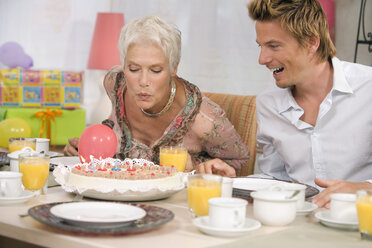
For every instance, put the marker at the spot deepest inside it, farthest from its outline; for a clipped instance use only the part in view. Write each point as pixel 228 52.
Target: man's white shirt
pixel 339 146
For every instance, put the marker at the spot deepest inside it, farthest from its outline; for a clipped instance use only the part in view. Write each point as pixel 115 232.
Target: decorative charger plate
pixel 243 186
pixel 63 169
pixel 155 217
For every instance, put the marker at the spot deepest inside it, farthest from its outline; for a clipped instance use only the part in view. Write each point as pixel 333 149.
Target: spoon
pixel 296 192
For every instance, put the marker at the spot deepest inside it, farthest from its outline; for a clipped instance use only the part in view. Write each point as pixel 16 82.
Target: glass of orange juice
pixel 364 209
pixel 200 188
pixel 35 170
pixel 16 144
pixel 173 156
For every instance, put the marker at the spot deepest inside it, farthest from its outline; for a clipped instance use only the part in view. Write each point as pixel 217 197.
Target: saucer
pixel 326 219
pixel 307 208
pixel 203 224
pixel 25 196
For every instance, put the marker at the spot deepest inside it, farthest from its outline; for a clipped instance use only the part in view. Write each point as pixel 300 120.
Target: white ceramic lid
pixel 274 196
pixel 343 197
pixel 15 154
pixel 10 174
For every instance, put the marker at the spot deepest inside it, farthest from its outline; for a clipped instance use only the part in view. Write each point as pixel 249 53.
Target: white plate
pixel 67 161
pixel 326 219
pixel 203 224
pixel 150 195
pixel 307 208
pixel 25 196
pixel 243 186
pixel 254 184
pixel 97 213
pixel 54 154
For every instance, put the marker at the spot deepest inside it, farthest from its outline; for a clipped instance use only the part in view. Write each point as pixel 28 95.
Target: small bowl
pixel 293 186
pixel 273 208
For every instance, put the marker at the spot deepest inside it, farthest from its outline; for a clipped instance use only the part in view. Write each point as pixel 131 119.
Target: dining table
pixel 19 229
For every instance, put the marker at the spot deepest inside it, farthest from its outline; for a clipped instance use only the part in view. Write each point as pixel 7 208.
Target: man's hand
pixel 216 166
pixel 336 186
pixel 71 149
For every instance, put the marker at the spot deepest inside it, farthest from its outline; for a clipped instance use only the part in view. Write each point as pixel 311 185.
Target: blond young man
pixel 316 126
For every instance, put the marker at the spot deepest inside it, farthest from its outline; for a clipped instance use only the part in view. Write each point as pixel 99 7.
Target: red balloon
pixel 98 141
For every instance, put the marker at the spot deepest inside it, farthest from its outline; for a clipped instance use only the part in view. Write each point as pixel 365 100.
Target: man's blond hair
pixel 303 19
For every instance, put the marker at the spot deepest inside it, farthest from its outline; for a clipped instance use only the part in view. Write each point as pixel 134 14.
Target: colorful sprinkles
pixel 131 169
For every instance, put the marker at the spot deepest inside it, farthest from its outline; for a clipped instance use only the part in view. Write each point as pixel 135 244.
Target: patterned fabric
pixel 241 111
pixel 202 127
pixel 41 88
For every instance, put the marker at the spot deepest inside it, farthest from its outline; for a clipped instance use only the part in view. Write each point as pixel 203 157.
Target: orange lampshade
pixel 104 51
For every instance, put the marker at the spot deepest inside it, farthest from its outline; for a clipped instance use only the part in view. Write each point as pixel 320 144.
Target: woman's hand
pixel 71 149
pixel 189 163
pixel 216 166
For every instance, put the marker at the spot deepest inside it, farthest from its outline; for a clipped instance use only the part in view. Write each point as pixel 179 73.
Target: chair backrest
pixel 241 111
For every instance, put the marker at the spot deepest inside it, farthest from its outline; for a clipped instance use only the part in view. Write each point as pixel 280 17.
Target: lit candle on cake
pixel 116 166
pixel 101 163
pixel 92 163
pixel 131 166
pixel 84 164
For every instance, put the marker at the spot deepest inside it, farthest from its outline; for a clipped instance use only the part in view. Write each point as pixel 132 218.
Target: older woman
pixel 153 107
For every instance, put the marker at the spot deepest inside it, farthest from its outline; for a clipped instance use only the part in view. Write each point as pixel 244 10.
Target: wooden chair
pixel 241 111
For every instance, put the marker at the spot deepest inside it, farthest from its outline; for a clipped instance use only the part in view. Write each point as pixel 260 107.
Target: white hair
pixel 154 30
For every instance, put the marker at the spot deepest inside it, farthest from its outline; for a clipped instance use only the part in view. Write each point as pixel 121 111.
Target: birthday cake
pixel 128 174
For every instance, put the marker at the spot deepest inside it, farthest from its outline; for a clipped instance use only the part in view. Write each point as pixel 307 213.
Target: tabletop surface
pixel 305 231
pixel 179 232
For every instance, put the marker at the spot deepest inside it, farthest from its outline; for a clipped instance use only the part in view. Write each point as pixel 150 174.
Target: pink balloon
pixel 99 141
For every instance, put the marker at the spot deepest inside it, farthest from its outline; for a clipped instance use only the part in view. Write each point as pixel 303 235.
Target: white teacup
pixel 227 212
pixel 273 208
pixel 226 190
pixel 42 145
pixel 10 184
pixel 343 207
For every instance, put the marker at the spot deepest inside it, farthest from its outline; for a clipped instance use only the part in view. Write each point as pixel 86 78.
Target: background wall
pixel 219 52
pixel 347 14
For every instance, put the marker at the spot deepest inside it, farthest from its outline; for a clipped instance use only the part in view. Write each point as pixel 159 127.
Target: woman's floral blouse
pixel 209 135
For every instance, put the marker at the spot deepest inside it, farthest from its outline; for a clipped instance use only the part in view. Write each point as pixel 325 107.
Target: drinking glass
pixel 35 170
pixel 364 210
pixel 174 156
pixel 200 188
pixel 16 144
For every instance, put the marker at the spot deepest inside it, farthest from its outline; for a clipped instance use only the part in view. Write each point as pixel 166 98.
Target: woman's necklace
pixel 170 101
